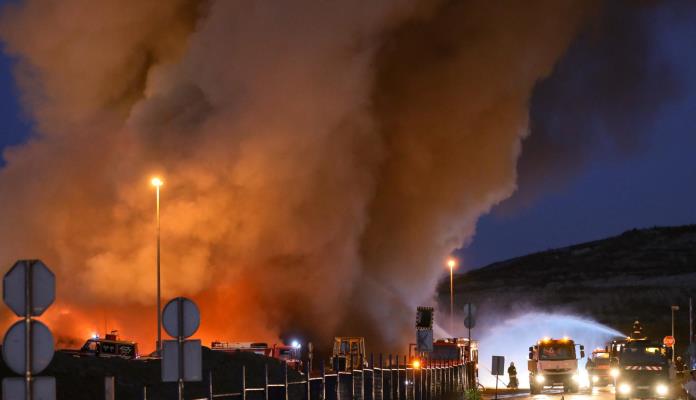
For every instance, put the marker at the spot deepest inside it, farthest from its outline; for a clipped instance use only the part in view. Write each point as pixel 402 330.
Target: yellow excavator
pixel 348 353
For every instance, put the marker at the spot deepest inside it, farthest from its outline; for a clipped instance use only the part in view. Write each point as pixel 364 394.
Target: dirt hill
pixel 638 274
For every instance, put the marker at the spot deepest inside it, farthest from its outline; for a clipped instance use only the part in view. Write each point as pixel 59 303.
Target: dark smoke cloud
pixel 320 158
pixel 602 99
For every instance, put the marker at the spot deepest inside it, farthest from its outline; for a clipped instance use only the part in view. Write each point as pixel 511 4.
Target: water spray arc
pixel 527 329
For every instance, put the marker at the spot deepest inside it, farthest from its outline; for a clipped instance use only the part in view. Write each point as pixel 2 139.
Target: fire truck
pixel 598 368
pixel 109 346
pixel 645 371
pixel 290 354
pixel 553 362
pixel 448 350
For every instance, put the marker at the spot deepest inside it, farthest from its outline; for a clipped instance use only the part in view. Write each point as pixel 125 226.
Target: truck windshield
pixel 601 359
pixel 557 352
pixel 286 354
pixel 643 355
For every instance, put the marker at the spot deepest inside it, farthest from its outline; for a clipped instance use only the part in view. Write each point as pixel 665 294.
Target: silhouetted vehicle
pixel 645 371
pixel 599 369
pixel 110 346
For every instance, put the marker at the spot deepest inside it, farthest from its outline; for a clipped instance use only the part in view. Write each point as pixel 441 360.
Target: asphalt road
pixel 557 394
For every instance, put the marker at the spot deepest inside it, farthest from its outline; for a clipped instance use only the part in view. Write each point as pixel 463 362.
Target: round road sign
pixel 181 317
pixel 669 341
pixel 14 347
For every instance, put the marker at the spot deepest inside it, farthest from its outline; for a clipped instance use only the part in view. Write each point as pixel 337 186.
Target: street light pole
pixel 451 263
pixel 674 308
pixel 157 182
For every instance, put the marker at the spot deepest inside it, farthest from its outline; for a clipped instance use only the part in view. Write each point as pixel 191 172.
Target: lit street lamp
pixel 451 263
pixel 157 182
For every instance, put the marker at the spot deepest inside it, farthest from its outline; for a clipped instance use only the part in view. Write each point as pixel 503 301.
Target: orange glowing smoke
pixel 320 158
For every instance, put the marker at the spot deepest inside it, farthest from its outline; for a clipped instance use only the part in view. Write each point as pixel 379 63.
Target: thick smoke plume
pixel 320 158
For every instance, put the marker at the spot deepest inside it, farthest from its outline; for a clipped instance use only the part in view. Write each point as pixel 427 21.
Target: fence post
pixel 265 381
pixel 446 373
pixel 412 381
pixel 210 384
pixel 398 378
pixel 362 377
pixel 309 389
pixel 323 381
pixel 243 382
pixel 338 381
pixel 352 380
pixel 109 388
pixel 285 371
pixel 438 377
pixel 391 378
pixel 429 379
pixel 381 377
pixel 372 376
pixel 406 378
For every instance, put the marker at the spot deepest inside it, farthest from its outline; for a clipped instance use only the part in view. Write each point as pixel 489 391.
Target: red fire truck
pixel 448 350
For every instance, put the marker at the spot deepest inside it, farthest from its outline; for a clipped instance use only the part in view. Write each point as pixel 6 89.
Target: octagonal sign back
pixel 41 291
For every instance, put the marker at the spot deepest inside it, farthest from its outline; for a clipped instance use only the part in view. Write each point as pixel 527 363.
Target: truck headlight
pixel 595 378
pixel 624 388
pixel 576 378
pixel 614 372
pixel 661 390
pixel 540 379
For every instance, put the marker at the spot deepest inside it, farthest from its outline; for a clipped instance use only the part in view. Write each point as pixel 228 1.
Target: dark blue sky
pixel 15 127
pixel 623 109
pixel 641 177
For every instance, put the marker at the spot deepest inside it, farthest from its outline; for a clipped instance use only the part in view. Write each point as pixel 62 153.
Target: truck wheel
pixel 534 389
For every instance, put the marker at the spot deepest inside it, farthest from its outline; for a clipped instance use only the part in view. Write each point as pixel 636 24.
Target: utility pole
pixel 691 321
pixel 674 346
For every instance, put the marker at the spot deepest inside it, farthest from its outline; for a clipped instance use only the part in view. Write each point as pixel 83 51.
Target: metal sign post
pixel 181 358
pixel 29 288
pixel 470 319
pixel 424 329
pixel 497 369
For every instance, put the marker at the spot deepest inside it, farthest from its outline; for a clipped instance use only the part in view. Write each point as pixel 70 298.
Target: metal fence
pixel 390 380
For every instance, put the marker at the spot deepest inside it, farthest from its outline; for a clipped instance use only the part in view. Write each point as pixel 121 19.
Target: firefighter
pixel 690 386
pixel 680 365
pixel 512 372
pixel 637 331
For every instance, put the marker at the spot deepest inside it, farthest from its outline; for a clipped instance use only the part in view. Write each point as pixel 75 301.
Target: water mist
pixel 512 337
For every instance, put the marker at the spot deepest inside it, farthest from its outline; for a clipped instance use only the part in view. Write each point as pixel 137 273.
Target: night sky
pixel 636 138
pixel 645 178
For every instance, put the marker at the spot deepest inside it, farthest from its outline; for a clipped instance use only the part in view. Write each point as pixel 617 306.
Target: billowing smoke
pixel 320 158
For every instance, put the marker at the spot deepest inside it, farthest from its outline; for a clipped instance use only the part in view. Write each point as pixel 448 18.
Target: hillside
pixel 637 274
